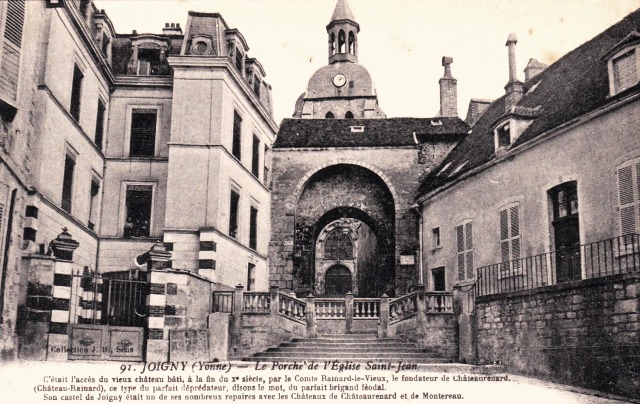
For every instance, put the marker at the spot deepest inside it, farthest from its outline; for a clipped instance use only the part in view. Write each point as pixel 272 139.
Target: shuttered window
pixel 255 162
pixel 10 58
pixel 234 202
pixel 464 237
pixel 143 132
pixel 236 147
pixel 629 196
pixel 253 228
pixel 99 124
pixel 76 93
pixel 510 237
pixel 67 182
pixel 625 72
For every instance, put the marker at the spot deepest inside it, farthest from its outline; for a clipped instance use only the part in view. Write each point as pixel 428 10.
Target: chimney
pixel 476 109
pixel 533 69
pixel 171 29
pixel 514 88
pixel 448 90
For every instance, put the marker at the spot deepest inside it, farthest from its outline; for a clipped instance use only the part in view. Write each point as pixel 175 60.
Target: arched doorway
pixel 337 281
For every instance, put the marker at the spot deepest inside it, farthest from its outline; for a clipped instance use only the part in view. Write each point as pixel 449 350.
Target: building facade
pixel 344 177
pixel 115 145
pixel 535 214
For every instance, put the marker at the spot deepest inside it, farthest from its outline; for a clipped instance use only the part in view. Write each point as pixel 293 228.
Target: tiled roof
pixel 571 87
pixel 377 132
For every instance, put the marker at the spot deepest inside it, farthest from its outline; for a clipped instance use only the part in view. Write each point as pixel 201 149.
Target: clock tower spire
pixel 343 34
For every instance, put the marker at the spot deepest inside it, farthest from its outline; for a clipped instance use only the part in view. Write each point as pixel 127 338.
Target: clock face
pixel 339 80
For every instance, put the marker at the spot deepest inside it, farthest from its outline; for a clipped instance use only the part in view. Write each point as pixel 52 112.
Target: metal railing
pixel 593 260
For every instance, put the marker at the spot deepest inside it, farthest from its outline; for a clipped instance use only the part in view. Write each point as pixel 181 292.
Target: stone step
pixel 343 355
pixel 340 348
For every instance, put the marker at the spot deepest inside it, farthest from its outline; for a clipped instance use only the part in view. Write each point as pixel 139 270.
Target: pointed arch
pixel 329 115
pixel 332 44
pixel 352 43
pixel 348 115
pixel 342 42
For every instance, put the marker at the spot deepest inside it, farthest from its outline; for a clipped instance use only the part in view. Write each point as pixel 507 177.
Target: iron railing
pixel 593 260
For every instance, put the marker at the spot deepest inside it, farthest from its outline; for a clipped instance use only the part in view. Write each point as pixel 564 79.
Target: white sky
pixel 401 42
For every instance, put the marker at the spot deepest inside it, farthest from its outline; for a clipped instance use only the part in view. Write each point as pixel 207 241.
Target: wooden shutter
pixel 236 147
pixel 629 194
pixel 67 183
pixel 10 58
pixel 469 247
pixel 510 237
pixel 76 93
pixel 460 242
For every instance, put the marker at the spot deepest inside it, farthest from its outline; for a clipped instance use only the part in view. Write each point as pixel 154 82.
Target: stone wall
pixel 584 333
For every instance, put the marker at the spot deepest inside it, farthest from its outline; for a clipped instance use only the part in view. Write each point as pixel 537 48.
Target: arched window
pixel 338 246
pixel 352 43
pixel 332 44
pixel 348 115
pixel 329 115
pixel 342 42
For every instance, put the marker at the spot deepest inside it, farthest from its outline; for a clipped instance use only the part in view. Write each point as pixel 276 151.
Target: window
pixel 265 175
pixel 352 43
pixel 236 147
pixel 253 228
pixel 11 46
pixel 464 237
pixel 503 135
pixel 76 93
pixel 149 61
pixel 239 61
pixel 256 86
pixel 67 182
pixel 342 42
pixel 510 237
pixel 625 72
pixel 629 196
pixel 251 277
pixel 255 157
pixel 435 238
pixel 329 115
pixel 138 211
pixel 143 132
pixel 437 276
pixel 93 203
pixel 338 245
pixel 100 124
pixel 566 231
pixel 234 203
pixel 348 115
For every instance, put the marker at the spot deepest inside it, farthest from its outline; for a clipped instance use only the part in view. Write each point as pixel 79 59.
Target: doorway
pixel 337 281
pixel 566 231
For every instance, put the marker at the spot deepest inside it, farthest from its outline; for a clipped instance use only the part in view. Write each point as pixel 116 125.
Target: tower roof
pixel 342 12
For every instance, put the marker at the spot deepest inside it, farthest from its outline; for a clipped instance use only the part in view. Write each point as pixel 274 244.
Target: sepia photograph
pixel 320 200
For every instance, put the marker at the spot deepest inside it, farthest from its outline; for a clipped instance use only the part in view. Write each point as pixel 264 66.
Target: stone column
pixel 310 313
pixel 274 307
pixel 421 316
pixel 383 326
pixel 348 305
pixel 464 308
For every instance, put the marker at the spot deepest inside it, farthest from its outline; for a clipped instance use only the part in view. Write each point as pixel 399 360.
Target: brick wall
pixel 584 333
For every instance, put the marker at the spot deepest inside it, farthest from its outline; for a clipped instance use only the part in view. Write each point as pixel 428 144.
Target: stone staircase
pixel 350 347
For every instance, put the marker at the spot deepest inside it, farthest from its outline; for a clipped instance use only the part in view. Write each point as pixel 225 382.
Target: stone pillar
pixel 421 316
pixel 464 308
pixel 158 340
pixel 348 305
pixel 310 313
pixel 236 319
pixel 274 307
pixel 383 326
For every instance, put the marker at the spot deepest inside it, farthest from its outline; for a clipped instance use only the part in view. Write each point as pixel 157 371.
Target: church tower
pixel 343 89
pixel 343 35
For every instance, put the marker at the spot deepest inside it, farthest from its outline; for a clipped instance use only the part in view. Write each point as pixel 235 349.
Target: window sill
pixel 436 249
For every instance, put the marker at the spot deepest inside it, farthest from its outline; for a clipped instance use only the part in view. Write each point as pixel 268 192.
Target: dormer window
pixel 624 64
pixel 625 71
pixel 503 135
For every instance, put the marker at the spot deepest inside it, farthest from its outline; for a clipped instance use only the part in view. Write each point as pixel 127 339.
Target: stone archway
pixel 334 196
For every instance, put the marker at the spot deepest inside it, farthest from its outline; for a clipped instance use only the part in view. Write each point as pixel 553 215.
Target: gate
pixel 107 316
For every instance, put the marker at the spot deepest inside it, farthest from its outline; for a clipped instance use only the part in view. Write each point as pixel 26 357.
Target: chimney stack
pixel 533 69
pixel 514 88
pixel 448 90
pixel 172 29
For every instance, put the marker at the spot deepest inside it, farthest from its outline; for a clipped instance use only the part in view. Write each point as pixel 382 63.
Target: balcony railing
pixel 602 258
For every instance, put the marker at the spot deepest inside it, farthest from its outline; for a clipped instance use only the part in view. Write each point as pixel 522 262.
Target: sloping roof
pixel 342 12
pixel 377 132
pixel 572 86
